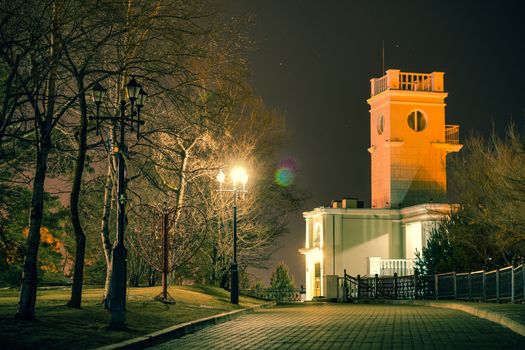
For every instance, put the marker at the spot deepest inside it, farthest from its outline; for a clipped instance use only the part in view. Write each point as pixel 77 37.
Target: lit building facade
pixel 409 145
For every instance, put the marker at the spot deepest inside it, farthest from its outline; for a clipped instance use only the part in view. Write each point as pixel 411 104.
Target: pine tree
pixel 281 278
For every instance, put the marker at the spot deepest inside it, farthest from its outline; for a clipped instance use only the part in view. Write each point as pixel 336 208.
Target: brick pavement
pixel 350 326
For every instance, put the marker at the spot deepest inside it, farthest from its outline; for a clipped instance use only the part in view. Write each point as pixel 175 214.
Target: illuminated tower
pixel 409 139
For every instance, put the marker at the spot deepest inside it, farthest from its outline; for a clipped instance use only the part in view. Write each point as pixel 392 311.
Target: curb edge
pixel 182 329
pixel 495 317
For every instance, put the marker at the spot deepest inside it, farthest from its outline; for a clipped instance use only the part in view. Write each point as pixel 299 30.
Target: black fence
pixel 282 295
pixel 500 285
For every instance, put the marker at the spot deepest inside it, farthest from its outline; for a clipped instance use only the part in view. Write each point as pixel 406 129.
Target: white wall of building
pixel 340 239
pixel 413 240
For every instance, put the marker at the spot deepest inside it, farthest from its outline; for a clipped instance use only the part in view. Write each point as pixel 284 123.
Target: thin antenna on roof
pixel 383 56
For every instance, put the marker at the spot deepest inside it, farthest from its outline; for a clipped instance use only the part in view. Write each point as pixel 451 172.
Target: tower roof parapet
pixel 394 79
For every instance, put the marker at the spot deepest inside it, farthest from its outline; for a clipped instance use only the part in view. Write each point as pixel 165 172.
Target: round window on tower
pixel 417 120
pixel 380 124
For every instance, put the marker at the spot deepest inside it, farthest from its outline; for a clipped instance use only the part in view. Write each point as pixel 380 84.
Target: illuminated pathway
pixel 342 326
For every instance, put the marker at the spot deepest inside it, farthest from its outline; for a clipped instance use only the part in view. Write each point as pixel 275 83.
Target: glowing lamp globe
pixel 221 177
pixel 239 176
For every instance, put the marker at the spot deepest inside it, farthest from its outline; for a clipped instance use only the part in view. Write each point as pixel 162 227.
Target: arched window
pixel 417 120
pixel 316 238
pixel 380 124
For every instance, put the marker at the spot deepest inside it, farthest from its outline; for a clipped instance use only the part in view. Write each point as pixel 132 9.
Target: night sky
pixel 314 60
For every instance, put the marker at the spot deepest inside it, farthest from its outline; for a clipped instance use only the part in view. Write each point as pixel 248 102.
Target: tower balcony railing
pixel 452 134
pixel 394 79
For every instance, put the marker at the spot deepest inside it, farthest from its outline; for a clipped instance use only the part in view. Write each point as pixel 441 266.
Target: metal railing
pixel 384 287
pixel 452 134
pixel 505 284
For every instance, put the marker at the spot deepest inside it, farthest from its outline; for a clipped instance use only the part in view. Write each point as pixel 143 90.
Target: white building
pixel 409 144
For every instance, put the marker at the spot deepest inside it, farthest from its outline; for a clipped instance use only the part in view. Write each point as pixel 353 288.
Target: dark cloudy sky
pixel 314 60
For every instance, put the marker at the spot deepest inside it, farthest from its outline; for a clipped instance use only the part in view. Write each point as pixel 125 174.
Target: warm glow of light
pixel 221 176
pixel 409 133
pixel 239 175
pixel 313 256
pixel 317 255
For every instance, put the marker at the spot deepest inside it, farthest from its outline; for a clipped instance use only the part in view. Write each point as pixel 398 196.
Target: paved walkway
pixel 350 326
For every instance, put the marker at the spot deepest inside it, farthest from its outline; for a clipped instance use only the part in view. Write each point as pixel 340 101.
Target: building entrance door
pixel 317 280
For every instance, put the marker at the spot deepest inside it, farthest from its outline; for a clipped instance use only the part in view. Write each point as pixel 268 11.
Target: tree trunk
pixel 26 305
pixel 104 229
pixel 213 266
pixel 107 284
pixel 165 257
pixel 80 237
pixel 134 280
pixel 152 278
pixel 225 280
pixel 44 124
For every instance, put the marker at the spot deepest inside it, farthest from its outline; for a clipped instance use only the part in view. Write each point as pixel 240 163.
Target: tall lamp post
pixel 137 97
pixel 165 213
pixel 238 177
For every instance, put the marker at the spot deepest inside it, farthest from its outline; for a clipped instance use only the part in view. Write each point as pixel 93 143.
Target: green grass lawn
pixel 60 327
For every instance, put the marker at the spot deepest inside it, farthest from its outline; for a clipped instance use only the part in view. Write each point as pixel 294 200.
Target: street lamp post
pixel 137 97
pixel 165 213
pixel 238 177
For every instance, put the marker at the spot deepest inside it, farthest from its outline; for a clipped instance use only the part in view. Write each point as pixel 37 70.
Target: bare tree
pixel 253 138
pixel 160 38
pixel 486 179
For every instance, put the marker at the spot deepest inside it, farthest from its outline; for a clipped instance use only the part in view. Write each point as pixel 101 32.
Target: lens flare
pixel 285 173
